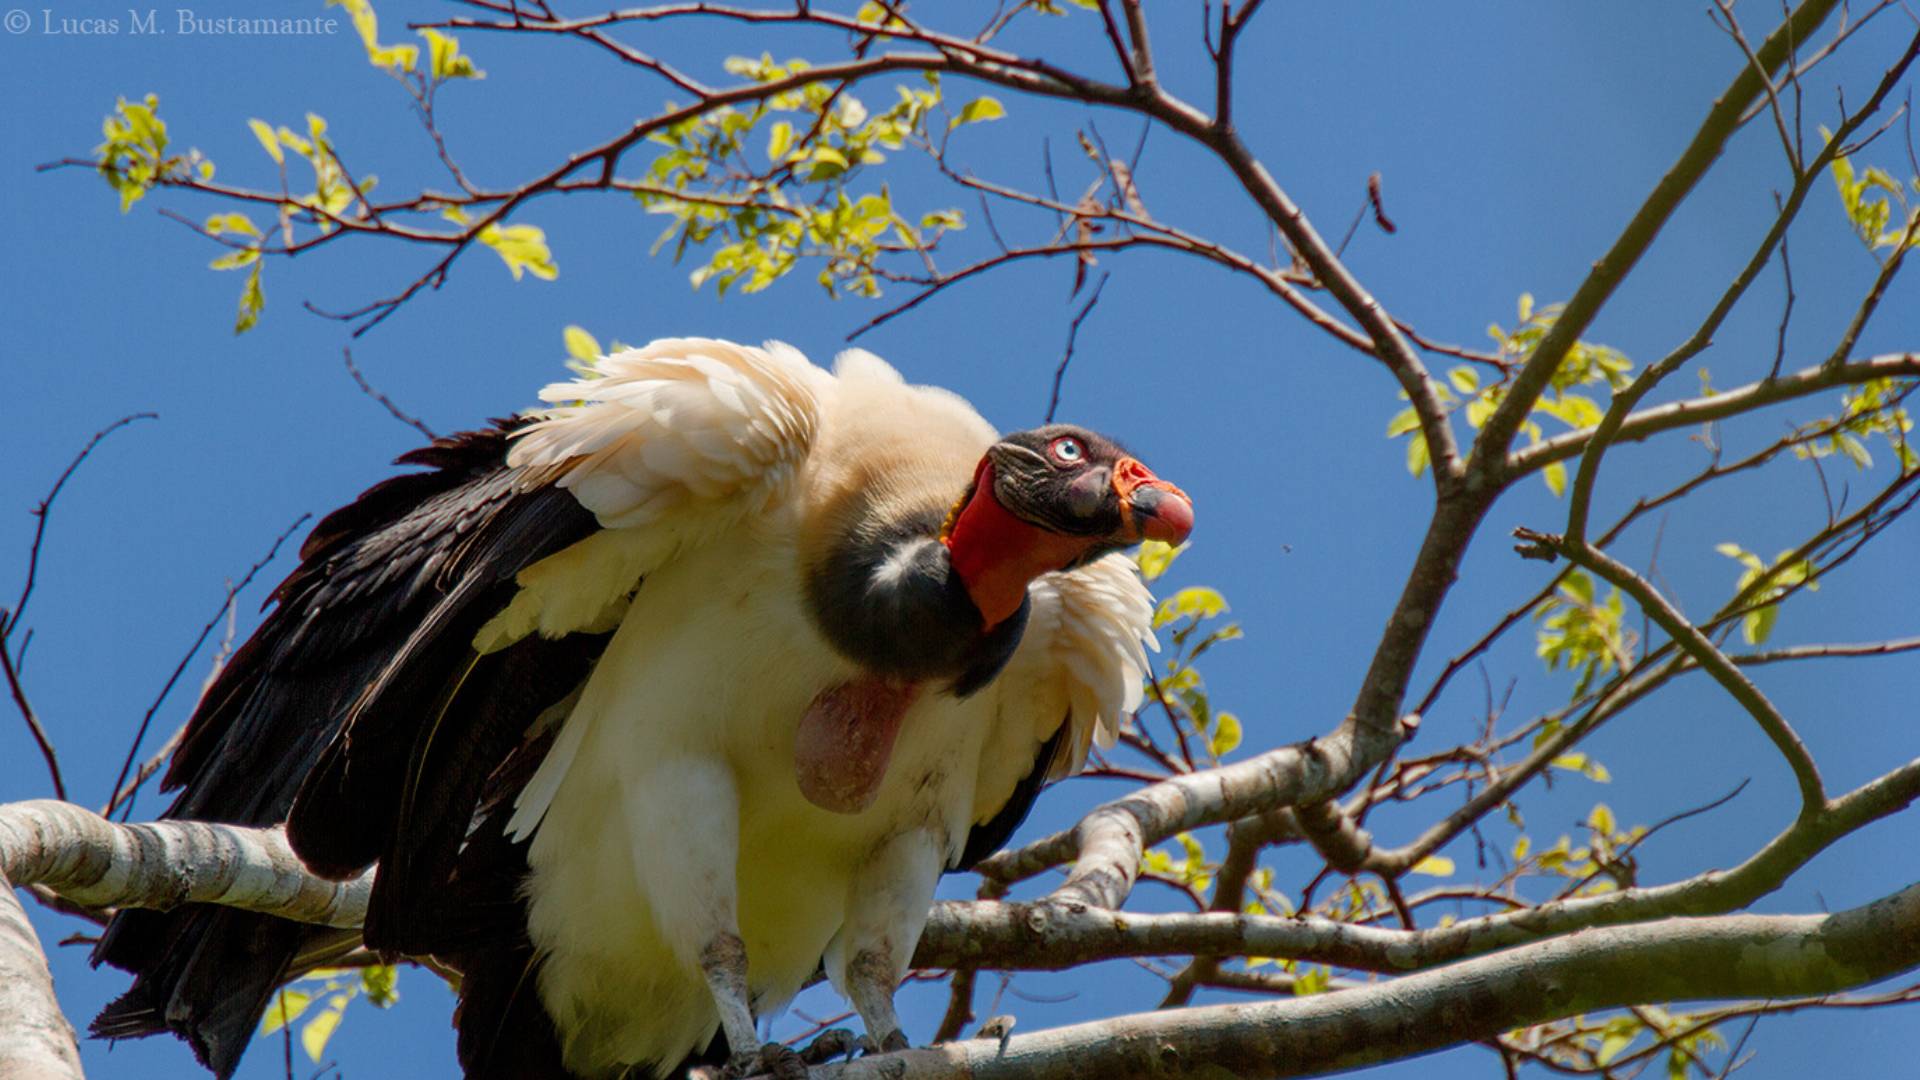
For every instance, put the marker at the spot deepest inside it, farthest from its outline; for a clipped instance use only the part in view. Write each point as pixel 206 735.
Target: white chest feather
pixel 668 811
pixel 676 798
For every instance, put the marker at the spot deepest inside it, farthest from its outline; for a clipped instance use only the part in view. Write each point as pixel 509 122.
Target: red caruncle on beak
pixel 1150 508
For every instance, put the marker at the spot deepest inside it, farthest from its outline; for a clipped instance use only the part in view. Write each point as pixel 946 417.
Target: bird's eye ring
pixel 1067 450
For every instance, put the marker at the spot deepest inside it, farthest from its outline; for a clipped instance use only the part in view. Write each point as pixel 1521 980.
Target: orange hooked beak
pixel 1150 508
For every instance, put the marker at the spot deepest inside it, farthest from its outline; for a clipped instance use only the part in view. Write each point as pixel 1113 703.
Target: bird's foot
pixel 829 1044
pixel 776 1060
pixel 893 1042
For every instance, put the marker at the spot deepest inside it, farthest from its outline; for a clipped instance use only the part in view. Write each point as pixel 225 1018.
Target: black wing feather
pixel 990 837
pixel 372 631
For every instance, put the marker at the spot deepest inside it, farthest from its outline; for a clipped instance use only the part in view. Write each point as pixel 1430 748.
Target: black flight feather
pixel 434 549
pixel 990 837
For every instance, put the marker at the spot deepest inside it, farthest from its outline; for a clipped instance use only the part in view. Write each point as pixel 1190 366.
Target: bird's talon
pixel 829 1044
pixel 894 1042
pixel 776 1060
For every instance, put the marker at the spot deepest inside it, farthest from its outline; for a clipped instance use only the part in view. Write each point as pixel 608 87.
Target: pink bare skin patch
pixel 845 740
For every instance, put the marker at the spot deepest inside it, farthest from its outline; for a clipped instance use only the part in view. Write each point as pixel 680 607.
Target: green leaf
pixel 828 163
pixel 314 1036
pixel 1417 457
pixel 286 1008
pixel 580 344
pixel 220 224
pixel 1584 765
pixel 1434 866
pixel 1155 556
pixel 1555 474
pixel 395 58
pixel 381 985
pixel 1403 421
pixel 1197 601
pixel 523 248
pixel 1311 981
pixel 1464 379
pixel 1615 1041
pixel 234 260
pixel 779 140
pixel 1600 818
pixel 978 110
pixel 444 59
pixel 1226 734
pixel 252 300
pixel 263 132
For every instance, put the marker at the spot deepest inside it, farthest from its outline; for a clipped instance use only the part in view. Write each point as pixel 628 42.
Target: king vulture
pixel 654 702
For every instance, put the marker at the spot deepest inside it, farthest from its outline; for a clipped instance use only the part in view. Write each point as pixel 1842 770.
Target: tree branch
pixel 1649 422
pixel 1703 652
pixel 1713 958
pixel 163 864
pixel 1612 268
pixel 36 1042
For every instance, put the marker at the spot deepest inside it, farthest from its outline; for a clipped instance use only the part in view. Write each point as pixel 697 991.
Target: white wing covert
pixel 668 445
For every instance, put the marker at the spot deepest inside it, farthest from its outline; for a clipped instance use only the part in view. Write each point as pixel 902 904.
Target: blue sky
pixel 1514 140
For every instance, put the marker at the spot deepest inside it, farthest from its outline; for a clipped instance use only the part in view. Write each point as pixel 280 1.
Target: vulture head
pixel 1051 499
pixel 920 603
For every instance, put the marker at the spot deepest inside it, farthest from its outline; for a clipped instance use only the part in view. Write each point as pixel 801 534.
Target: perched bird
pixel 654 702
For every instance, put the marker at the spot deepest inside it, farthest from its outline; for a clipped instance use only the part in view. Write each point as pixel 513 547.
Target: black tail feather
pixel 392 586
pixel 203 972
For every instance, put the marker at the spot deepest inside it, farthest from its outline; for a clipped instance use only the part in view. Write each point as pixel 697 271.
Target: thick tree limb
pixel 88 859
pixel 164 863
pixel 1715 958
pixel 36 1042
pixel 1052 935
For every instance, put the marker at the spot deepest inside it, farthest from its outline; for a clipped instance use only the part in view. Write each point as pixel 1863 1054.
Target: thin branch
pixel 1896 259
pixel 1066 358
pixel 1704 653
pixel 1623 403
pixel 45 506
pixel 27 713
pixel 346 353
pixel 1732 27
pixel 1389 345
pixel 1717 406
pixel 146 720
pixel 1722 120
pixel 10 620
pixel 1143 68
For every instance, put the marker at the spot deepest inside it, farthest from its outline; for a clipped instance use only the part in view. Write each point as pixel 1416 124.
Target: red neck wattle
pixel 996 554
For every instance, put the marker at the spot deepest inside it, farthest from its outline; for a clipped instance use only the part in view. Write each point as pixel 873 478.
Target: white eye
pixel 1068 450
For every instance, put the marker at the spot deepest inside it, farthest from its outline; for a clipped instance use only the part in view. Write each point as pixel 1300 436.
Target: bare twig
pixel 45 507
pixel 146 719
pixel 1066 358
pixel 346 353
pixel 10 620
